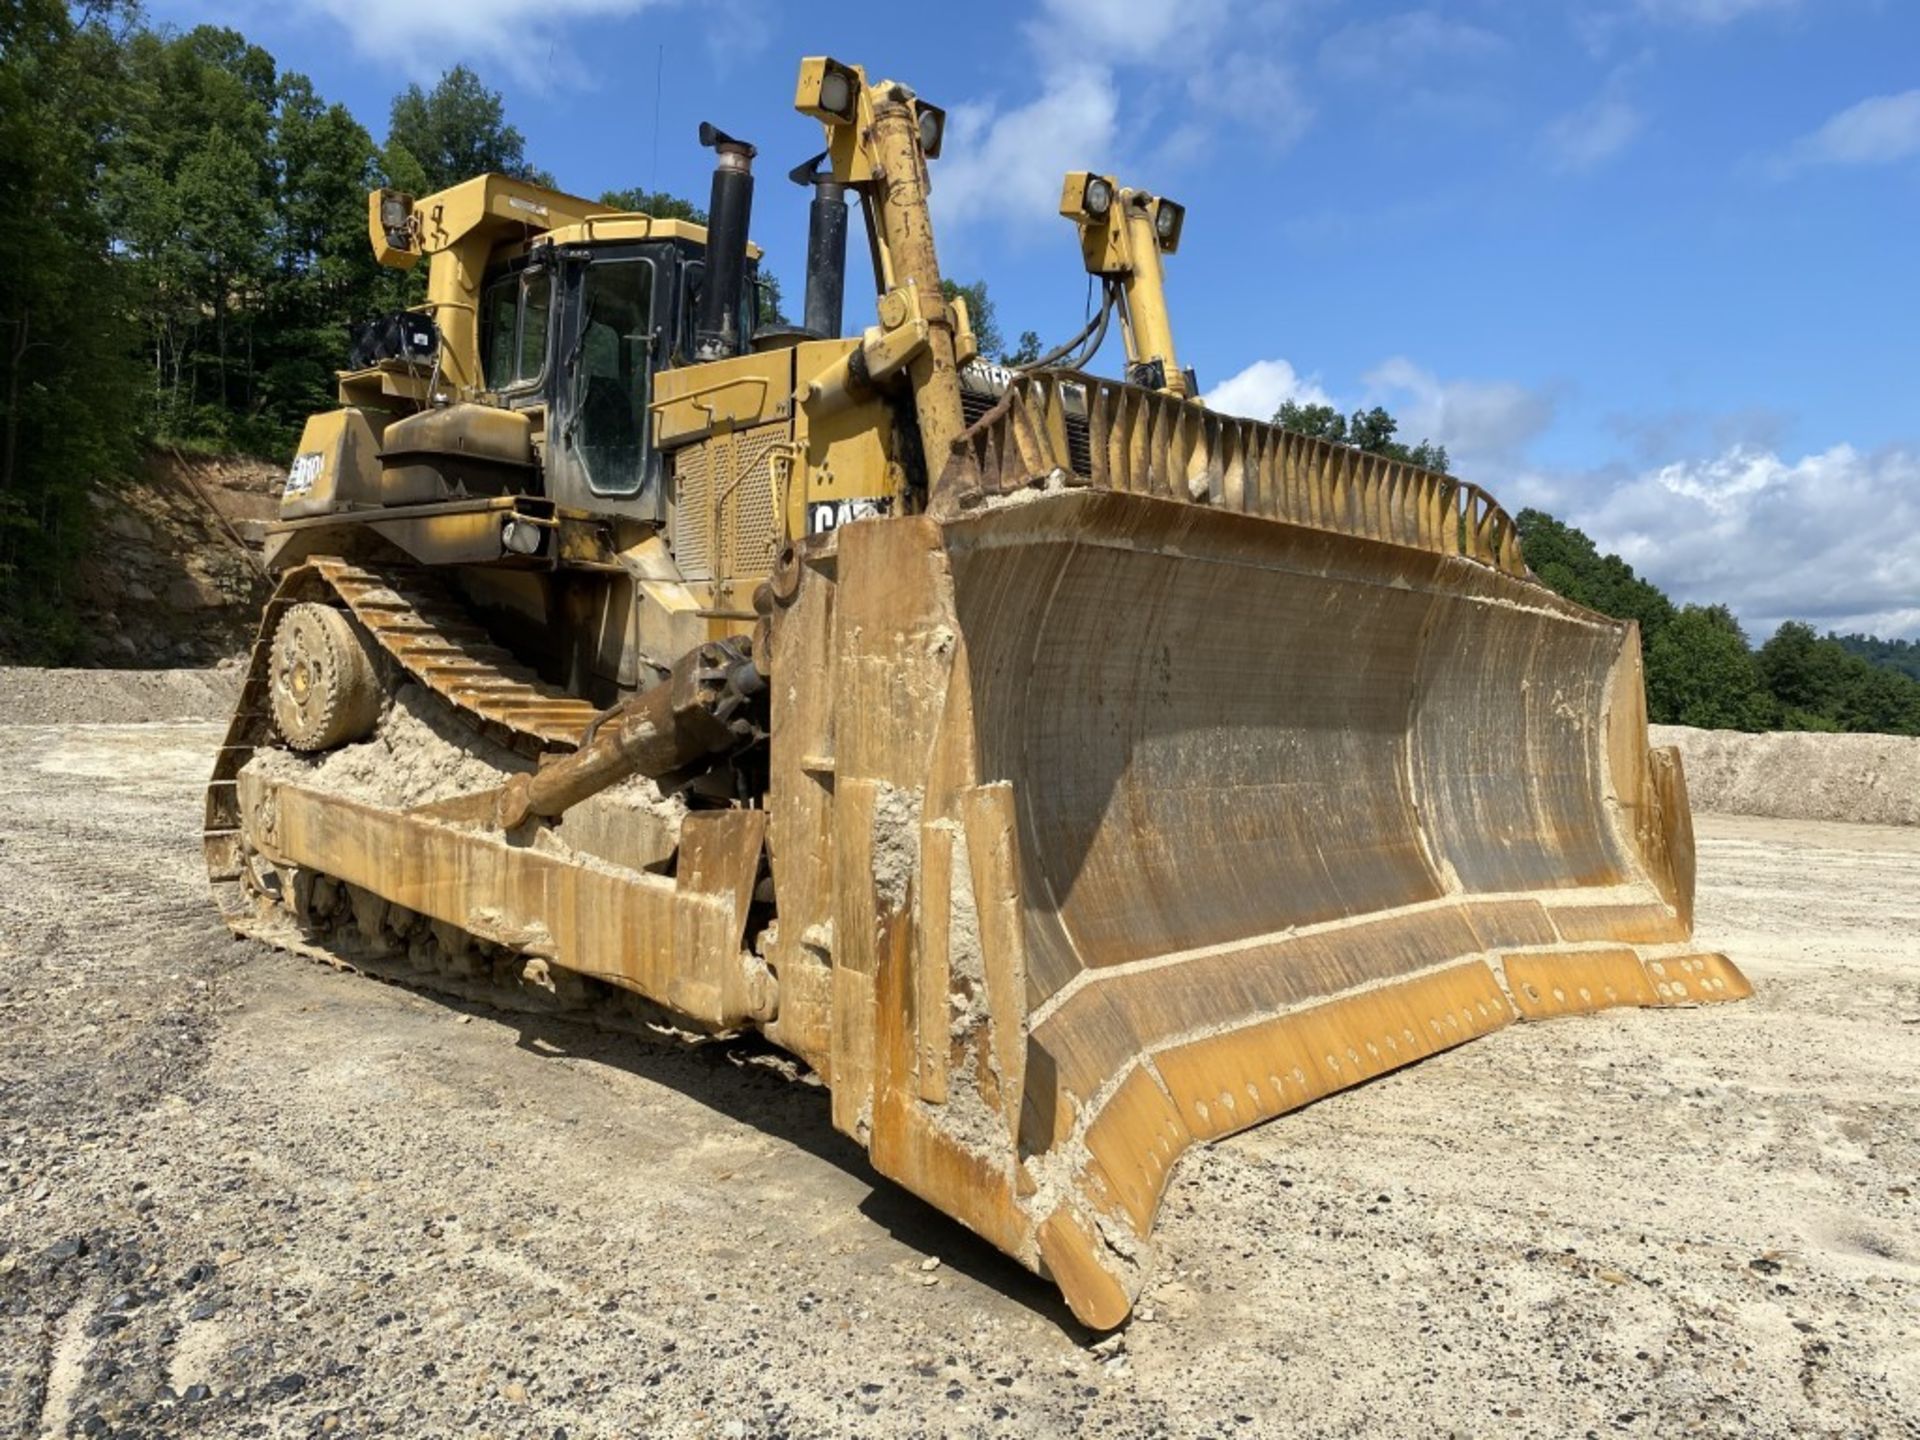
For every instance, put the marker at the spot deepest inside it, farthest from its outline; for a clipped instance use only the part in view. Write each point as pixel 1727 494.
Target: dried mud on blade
pixel 1134 822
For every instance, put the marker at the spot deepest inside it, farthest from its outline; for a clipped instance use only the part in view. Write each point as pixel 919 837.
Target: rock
pixel 129 526
pixel 932 1262
pixel 515 1392
pixel 194 1394
pixel 292 1383
pixel 72 1248
pixel 194 592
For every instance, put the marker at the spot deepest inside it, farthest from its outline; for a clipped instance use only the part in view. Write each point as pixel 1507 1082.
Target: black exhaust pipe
pixel 717 326
pixel 826 248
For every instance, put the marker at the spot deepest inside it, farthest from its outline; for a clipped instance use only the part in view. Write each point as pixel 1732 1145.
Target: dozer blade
pixel 1185 774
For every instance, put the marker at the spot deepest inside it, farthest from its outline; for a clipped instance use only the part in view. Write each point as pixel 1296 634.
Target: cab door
pixel 600 457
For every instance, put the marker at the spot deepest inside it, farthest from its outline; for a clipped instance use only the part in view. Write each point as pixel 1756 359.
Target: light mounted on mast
pixel 1123 234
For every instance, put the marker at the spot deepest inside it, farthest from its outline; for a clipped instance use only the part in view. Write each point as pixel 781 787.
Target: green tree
pixel 65 375
pixel 188 192
pixel 453 132
pixel 323 277
pixel 1902 656
pixel 986 325
pixel 661 205
pixel 1568 563
pixel 1026 352
pixel 1821 685
pixel 771 305
pixel 657 203
pixel 1701 672
pixel 237 200
pixel 1369 430
pixel 986 329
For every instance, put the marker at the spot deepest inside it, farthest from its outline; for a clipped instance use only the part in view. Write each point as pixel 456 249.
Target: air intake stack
pixel 729 211
pixel 826 247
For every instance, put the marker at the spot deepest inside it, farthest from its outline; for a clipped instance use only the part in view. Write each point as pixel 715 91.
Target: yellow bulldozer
pixel 1062 772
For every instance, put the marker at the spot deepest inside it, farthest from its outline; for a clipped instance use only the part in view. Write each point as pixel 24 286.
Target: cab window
pixel 513 328
pixel 612 383
pixel 693 276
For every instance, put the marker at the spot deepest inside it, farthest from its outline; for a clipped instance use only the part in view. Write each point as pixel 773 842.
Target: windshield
pixel 513 328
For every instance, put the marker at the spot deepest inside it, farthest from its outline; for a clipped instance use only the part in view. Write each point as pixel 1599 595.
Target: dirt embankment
pixel 1858 779
pixel 173 574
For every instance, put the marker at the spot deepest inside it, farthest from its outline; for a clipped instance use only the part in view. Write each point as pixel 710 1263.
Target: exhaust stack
pixel 826 248
pixel 729 210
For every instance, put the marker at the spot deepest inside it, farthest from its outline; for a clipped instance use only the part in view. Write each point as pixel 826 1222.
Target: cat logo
pixel 825 515
pixel 306 469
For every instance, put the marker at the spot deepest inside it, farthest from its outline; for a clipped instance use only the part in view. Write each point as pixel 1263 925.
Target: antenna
pixel 653 171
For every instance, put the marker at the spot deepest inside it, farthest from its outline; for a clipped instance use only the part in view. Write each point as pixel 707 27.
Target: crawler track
pixel 420 627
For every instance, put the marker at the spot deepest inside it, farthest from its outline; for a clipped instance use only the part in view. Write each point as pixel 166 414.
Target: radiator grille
pixel 693 511
pixel 726 519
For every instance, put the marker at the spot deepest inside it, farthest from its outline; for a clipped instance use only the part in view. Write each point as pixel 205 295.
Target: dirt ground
pixel 244 1195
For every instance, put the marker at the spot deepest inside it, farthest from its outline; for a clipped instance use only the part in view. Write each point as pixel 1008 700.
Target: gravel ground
pixel 116 697
pixel 244 1195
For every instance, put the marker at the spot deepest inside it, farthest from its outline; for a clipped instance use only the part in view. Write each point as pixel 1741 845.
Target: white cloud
pixel 1399 44
pixel 1583 138
pixel 1601 27
pixel 997 164
pixel 425 37
pixel 1260 389
pixel 1831 538
pixel 1124 31
pixel 1184 71
pixel 1878 131
pixel 1709 12
pixel 1258 89
pixel 1483 423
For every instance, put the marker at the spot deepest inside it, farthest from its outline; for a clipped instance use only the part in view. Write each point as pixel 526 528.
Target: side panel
pixel 335 466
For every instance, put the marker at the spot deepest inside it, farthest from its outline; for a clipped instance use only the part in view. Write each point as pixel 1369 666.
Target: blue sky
pixel 1647 263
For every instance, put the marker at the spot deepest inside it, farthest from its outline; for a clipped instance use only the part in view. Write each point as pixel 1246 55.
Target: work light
pixel 836 94
pixel 933 128
pixel 1168 218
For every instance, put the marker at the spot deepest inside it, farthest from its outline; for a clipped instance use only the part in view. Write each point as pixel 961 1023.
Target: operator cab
pixel 578 329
